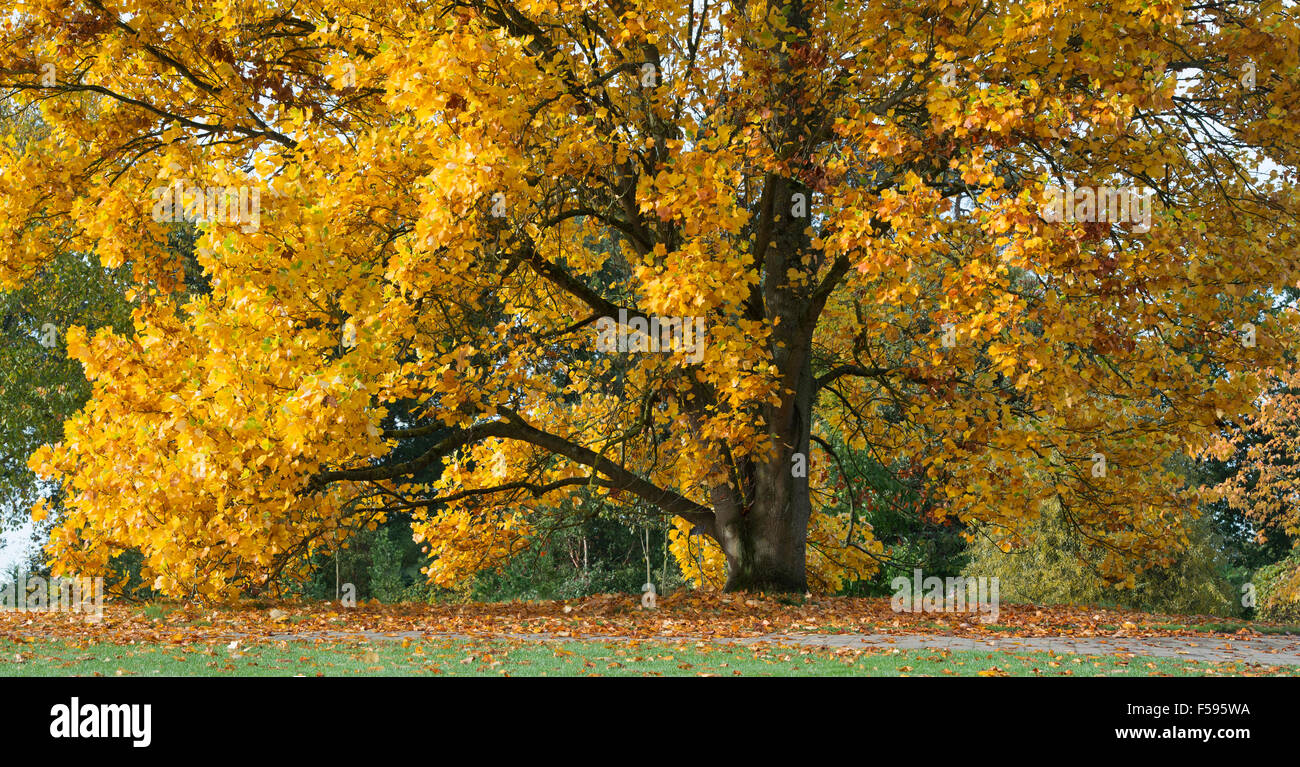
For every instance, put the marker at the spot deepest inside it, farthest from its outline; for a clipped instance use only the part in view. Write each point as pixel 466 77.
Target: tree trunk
pixel 765 536
pixel 766 543
pixel 763 529
pixel 766 551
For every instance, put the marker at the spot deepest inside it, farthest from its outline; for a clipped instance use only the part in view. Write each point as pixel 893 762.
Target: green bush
pixel 555 569
pixel 386 571
pixel 891 500
pixel 1058 567
pixel 124 573
pixel 1277 591
pixel 584 554
pixel 381 564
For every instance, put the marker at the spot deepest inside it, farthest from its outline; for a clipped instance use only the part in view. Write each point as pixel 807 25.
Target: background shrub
pixel 1057 567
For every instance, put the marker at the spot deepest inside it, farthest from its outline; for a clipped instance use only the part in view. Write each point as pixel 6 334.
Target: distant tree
pixel 1258 463
pixel 1053 563
pixel 1260 457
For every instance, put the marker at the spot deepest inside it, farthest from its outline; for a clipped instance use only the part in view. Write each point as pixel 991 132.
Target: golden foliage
pixel 449 195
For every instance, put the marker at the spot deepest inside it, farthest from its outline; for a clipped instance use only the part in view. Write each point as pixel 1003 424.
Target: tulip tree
pixel 1025 249
pixel 1263 453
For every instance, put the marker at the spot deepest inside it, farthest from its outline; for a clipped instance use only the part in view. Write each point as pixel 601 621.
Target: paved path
pixel 1265 650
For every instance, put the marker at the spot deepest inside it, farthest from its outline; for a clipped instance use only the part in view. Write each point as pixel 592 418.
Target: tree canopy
pixel 441 202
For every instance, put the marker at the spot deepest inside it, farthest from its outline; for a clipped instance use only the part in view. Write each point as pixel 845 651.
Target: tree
pixel 1277 591
pixel 856 207
pixel 1053 564
pixel 1262 456
pixel 1259 485
pixel 1248 544
pixel 39 385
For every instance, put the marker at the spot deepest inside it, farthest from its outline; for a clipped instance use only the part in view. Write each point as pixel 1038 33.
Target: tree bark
pixel 766 542
pixel 767 551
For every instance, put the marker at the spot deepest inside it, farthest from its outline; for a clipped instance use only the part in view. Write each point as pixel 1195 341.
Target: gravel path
pixel 1265 650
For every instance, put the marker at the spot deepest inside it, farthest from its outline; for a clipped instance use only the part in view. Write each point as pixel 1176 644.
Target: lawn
pixel 606 635
pixel 483 657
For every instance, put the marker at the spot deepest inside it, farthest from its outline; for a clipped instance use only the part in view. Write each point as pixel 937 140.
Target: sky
pixel 16 546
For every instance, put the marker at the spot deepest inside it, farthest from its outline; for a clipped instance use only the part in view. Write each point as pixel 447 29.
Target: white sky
pixel 17 545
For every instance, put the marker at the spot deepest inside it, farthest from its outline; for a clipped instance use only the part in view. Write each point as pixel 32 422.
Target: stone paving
pixel 1265 650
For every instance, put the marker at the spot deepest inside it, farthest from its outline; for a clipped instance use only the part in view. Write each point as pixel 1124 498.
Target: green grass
pixel 1226 626
pixel 1231 627
pixel 469 657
